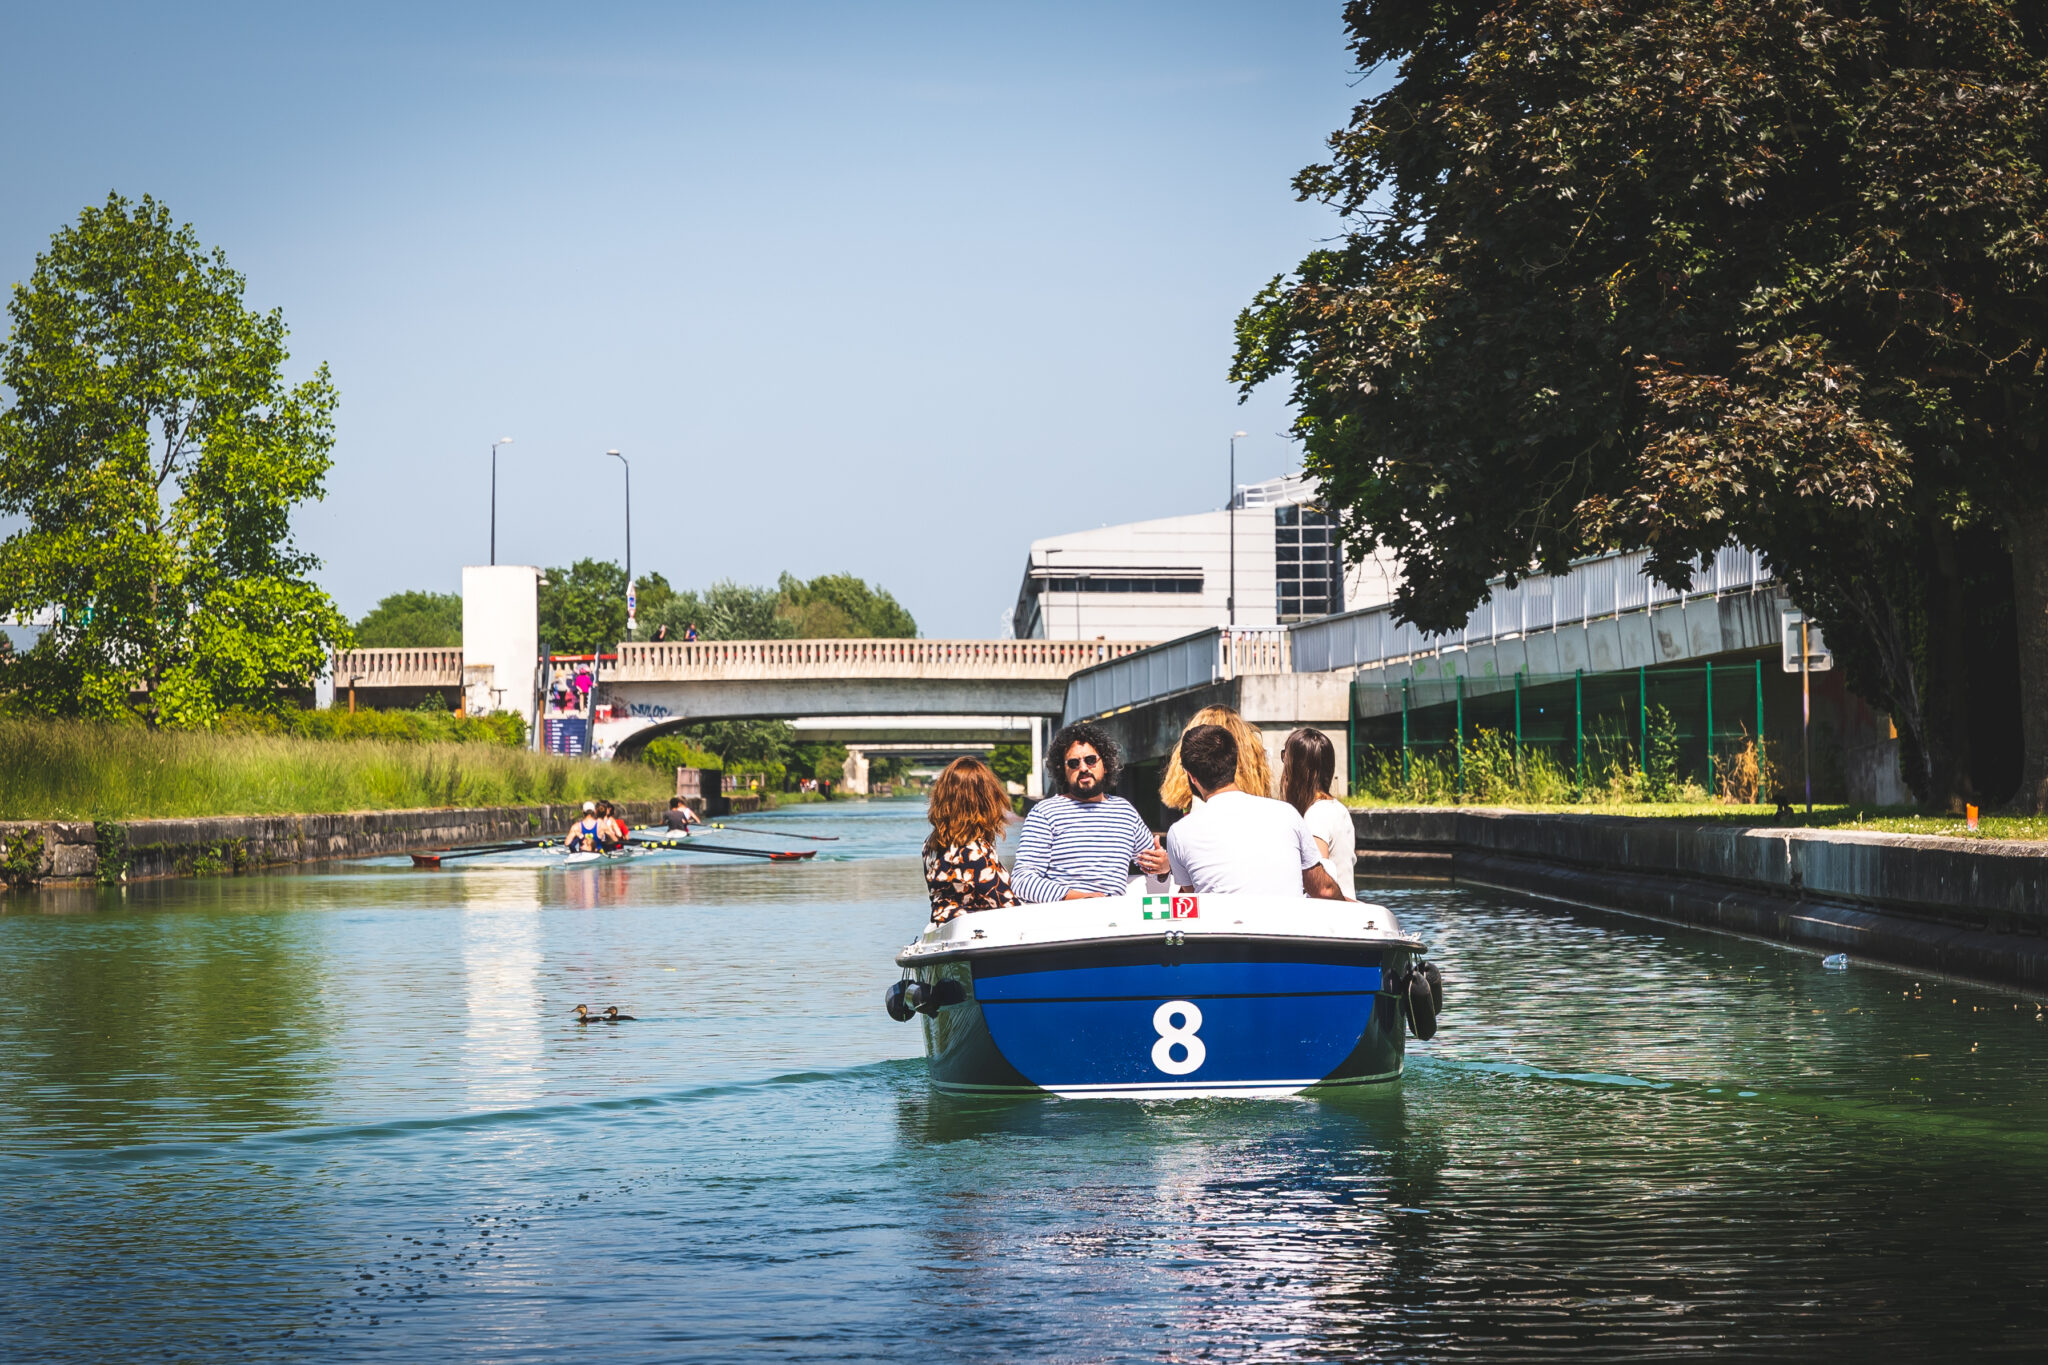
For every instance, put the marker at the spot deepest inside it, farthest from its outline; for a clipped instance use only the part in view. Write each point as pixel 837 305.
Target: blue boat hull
pixel 1219 1015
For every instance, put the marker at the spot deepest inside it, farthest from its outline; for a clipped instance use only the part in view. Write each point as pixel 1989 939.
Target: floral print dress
pixel 966 877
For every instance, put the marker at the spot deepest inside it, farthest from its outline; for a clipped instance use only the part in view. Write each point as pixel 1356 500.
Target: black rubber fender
pixel 1436 985
pixel 1421 1006
pixel 893 1001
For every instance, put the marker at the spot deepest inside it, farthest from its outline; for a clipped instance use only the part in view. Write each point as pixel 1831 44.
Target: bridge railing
pixel 1610 585
pixel 682 661
pixel 1197 660
pixel 398 668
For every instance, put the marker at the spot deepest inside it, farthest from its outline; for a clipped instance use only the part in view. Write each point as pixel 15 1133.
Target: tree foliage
pixel 838 605
pixel 1011 763
pixel 155 453
pixel 828 607
pixel 583 607
pixel 412 620
pixel 1680 274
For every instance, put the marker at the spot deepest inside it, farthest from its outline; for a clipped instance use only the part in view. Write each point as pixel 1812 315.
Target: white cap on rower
pixel 590 807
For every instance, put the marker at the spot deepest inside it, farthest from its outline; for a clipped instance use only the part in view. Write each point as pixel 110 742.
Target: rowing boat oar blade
pixel 434 858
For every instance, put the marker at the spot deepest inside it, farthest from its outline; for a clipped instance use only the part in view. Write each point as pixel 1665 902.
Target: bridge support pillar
pixel 854 775
pixel 1034 782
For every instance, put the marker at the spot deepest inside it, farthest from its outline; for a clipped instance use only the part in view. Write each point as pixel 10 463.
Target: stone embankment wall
pixel 1970 908
pixel 67 851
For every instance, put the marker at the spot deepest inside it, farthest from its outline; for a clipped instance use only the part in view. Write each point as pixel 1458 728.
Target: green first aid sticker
pixel 1170 907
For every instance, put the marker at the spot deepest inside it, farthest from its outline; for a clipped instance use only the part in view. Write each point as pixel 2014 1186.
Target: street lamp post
pixel 631 598
pixel 1231 602
pixel 501 441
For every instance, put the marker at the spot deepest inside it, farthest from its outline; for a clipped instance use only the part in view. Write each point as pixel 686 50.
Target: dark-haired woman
pixel 1306 767
pixel 961 870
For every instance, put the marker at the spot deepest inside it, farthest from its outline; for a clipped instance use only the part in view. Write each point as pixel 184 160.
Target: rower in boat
pixel 585 834
pixel 681 819
pixel 612 833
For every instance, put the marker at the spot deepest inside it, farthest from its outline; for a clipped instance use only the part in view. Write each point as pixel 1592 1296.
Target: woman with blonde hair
pixel 1254 774
pixel 961 870
pixel 1307 765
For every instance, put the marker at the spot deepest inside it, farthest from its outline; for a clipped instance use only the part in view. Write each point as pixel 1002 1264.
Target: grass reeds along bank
pixel 1488 768
pixel 68 770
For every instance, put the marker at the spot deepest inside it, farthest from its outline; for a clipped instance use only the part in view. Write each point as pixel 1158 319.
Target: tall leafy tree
pixel 1680 273
pixel 724 611
pixel 583 607
pixel 155 453
pixel 412 620
pixel 838 605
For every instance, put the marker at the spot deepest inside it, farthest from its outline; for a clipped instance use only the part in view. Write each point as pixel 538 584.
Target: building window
pixel 1308 564
pixel 1092 583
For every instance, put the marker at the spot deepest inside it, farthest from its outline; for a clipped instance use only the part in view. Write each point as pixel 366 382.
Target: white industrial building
pixel 1158 580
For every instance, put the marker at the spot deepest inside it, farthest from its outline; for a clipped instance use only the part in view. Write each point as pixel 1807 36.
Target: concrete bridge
pixel 931 693
pixel 785 679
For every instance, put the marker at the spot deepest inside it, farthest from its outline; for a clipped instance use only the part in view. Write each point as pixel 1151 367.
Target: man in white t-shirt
pixel 1235 841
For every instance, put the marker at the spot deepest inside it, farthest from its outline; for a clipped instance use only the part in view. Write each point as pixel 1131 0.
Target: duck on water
pixel 1259 978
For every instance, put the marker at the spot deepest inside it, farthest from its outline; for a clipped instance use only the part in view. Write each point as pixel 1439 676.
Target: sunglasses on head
pixel 1084 761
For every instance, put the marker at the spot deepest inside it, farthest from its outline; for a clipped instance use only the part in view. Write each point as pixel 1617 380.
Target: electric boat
pixel 1167 996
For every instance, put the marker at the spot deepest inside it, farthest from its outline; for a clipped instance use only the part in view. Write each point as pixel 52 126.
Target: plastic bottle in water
pixel 1836 962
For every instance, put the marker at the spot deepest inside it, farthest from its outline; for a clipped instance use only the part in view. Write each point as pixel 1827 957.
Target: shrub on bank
pixel 669 753
pixel 1489 769
pixel 421 726
pixel 76 770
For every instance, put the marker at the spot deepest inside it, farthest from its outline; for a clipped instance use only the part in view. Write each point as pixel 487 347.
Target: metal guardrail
pixel 728 660
pixel 1610 585
pixel 398 668
pixel 1197 660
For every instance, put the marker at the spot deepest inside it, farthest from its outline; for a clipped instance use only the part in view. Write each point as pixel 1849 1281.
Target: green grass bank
pixel 64 770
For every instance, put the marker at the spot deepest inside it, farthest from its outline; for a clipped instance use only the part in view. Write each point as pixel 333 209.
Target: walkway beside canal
pixel 1969 908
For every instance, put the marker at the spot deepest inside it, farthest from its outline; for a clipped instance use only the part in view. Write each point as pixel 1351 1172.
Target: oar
pixel 784 856
pixel 771 833
pixel 436 858
pixel 780 833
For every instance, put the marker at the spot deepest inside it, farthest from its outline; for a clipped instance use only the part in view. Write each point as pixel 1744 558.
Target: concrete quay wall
pixel 1975 909
pixel 69 851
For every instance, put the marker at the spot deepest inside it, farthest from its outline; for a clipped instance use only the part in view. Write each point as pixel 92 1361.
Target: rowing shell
pixel 583 856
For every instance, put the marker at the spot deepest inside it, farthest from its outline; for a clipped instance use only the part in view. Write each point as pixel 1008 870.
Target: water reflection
pixel 122 1022
pixel 501 957
pixel 349 1106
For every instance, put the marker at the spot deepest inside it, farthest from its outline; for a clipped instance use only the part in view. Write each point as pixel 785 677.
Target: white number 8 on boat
pixel 1182 1034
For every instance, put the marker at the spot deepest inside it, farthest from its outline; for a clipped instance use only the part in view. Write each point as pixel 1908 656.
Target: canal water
pixel 346 1114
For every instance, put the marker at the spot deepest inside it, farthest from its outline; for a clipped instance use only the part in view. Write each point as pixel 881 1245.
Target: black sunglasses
pixel 1085 761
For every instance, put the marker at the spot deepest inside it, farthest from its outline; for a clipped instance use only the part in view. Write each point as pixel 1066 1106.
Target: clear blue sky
pixel 887 288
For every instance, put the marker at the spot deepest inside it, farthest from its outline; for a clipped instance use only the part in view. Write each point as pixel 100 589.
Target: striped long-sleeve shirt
pixel 1069 845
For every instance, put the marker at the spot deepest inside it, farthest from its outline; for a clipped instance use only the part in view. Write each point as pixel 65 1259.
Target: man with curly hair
pixel 1083 842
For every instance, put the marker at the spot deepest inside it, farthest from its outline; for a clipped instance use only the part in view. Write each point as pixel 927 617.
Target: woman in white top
pixel 1306 767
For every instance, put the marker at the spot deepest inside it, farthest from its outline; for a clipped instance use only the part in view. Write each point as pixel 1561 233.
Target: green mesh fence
pixel 1668 726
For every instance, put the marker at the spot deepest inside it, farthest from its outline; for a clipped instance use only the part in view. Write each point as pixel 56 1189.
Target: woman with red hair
pixel 961 870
